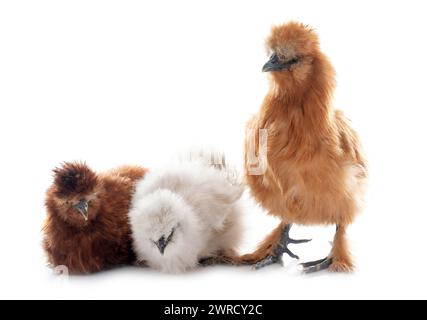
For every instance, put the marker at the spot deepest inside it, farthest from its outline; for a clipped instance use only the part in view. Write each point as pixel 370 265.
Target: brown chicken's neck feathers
pixel 307 105
pixel 320 81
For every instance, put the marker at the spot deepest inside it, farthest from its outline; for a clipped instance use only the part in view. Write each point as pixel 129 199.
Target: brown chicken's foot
pixel 318 265
pixel 281 248
pixel 268 261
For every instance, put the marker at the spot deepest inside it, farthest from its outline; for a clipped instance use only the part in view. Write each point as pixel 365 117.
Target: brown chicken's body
pixel 100 240
pixel 313 169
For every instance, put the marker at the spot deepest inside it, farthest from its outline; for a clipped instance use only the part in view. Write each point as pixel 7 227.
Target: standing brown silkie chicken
pixel 314 167
pixel 87 228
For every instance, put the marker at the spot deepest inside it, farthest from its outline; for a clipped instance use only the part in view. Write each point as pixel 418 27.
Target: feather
pixel 100 239
pixel 315 166
pixel 196 202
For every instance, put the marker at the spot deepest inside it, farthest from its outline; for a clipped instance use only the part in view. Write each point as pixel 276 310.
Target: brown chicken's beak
pixel 274 64
pixel 83 208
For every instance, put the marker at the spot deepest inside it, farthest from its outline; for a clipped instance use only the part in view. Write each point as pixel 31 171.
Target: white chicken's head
pixel 161 221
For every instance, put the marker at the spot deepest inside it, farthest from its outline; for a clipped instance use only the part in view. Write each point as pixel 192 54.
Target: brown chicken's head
pixel 293 48
pixel 75 194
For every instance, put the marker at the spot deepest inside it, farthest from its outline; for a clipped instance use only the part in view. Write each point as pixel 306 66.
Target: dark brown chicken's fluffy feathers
pixel 103 240
pixel 74 177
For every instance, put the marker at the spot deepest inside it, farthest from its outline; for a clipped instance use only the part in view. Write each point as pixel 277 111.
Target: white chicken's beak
pixel 161 244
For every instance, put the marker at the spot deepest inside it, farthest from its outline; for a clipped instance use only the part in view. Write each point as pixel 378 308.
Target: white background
pixel 114 82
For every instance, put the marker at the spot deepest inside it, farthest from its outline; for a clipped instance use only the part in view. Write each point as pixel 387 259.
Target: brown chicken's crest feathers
pixel 297 66
pixel 74 178
pixel 293 39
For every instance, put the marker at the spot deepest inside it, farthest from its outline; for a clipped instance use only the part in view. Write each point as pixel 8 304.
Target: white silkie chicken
pixel 187 212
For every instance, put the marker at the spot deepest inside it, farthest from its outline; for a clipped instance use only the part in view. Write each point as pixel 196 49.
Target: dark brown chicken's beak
pixel 161 244
pixel 83 208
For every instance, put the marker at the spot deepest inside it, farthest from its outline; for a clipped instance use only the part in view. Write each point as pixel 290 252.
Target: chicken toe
pixel 280 249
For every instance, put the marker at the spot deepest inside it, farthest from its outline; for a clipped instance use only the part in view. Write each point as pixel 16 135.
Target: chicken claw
pixel 318 265
pixel 281 248
pixel 269 260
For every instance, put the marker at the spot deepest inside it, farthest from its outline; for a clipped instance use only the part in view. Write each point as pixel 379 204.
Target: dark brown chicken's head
pixel 294 55
pixel 74 196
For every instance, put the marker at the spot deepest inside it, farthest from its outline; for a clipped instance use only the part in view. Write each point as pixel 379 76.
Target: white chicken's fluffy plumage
pixel 194 204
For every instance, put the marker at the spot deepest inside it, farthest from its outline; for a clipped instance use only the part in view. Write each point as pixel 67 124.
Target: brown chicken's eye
pixel 293 61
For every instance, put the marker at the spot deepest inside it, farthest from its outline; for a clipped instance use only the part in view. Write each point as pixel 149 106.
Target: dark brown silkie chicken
pixel 87 228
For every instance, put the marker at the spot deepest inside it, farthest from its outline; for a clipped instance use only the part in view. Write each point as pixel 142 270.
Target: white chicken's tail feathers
pixel 217 160
pixel 209 157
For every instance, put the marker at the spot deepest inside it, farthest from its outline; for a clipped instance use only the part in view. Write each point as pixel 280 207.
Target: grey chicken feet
pixel 280 249
pixel 318 265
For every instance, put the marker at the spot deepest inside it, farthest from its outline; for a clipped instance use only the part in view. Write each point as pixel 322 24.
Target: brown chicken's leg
pixel 339 259
pixel 265 248
pixel 273 248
